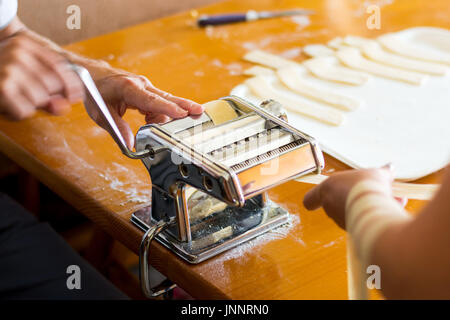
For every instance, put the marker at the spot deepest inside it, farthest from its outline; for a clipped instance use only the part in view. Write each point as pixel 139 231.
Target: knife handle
pixel 221 19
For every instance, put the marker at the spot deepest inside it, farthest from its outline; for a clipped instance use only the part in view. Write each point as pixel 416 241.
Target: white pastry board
pixel 404 124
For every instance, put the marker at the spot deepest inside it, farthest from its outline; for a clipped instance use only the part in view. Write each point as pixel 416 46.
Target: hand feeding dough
pixel 262 88
pixel 327 68
pixel 220 111
pixel 292 78
pixel 352 58
pixel 268 59
pixel 399 189
pixel 390 42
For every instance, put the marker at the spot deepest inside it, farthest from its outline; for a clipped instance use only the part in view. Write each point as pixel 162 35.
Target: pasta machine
pixel 210 176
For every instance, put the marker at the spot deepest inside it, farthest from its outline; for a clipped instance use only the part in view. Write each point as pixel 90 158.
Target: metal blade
pixel 275 14
pixel 252 147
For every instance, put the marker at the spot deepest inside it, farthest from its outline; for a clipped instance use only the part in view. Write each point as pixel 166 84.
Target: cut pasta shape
pixel 268 59
pixel 352 58
pixel 292 78
pixel 355 41
pixel 317 50
pixel 258 71
pixel 374 51
pixel 390 42
pixel 414 190
pixel 336 43
pixel 212 238
pixel 327 68
pixel 400 189
pixel 263 89
pixel 356 284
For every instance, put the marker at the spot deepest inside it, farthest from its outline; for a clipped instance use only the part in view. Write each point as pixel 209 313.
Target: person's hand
pixel 34 77
pixel 122 90
pixel 332 193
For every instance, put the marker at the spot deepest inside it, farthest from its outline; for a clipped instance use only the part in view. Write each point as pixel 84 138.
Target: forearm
pixel 98 68
pixel 413 257
pixel 15 26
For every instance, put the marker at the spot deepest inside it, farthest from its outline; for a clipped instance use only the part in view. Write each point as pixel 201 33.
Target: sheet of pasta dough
pixel 401 123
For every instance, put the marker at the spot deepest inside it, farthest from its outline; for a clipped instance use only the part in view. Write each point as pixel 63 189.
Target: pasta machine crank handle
pixel 94 95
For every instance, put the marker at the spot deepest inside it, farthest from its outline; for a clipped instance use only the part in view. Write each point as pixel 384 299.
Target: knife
pixel 215 20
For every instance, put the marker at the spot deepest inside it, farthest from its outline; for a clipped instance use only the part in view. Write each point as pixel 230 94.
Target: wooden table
pixel 81 163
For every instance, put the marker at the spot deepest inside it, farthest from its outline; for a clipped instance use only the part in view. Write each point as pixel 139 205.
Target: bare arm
pixel 413 256
pixel 97 68
pixel 34 74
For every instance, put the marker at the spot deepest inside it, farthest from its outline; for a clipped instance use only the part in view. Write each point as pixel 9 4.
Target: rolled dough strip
pixel 326 68
pixel 393 44
pixel 336 43
pixel 352 58
pixel 268 59
pixel 414 190
pixel 374 51
pixel 292 78
pixel 357 288
pixel 206 207
pixel 258 71
pixel 220 111
pixel 262 88
pixel 317 50
pixel 400 189
pixel 354 41
pixel 212 238
pixel 438 38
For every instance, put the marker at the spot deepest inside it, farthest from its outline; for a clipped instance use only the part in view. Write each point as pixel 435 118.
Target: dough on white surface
pixel 336 43
pixel 355 41
pixel 268 59
pixel 294 80
pixel 395 43
pixel 352 58
pixel 433 38
pixel 258 71
pixel 398 123
pixel 328 68
pixel 263 89
pixel 317 50
pixel 374 51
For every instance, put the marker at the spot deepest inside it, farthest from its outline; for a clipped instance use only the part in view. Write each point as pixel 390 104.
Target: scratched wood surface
pixel 81 163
